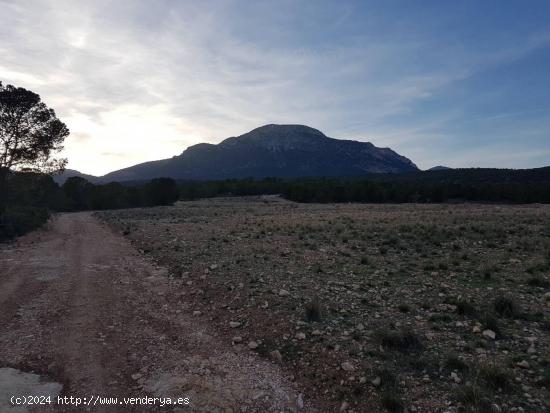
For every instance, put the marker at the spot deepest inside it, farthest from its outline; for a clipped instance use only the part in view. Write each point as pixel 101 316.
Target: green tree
pixel 161 191
pixel 30 132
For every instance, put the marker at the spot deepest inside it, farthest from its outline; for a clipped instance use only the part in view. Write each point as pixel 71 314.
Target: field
pixel 368 307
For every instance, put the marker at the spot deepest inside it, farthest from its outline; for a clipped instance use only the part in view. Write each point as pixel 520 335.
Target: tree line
pixel 459 185
pixel 29 198
pixel 31 135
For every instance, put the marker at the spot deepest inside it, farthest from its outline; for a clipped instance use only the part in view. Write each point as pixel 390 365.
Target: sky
pixel 455 83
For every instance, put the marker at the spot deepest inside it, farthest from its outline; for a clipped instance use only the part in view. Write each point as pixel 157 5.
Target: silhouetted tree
pixel 79 191
pixel 29 134
pixel 161 191
pixel 29 131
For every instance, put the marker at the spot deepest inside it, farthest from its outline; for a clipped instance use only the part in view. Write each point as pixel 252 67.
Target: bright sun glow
pixel 128 134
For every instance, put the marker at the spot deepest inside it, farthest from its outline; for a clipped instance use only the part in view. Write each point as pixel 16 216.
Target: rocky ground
pixel 419 308
pixel 84 315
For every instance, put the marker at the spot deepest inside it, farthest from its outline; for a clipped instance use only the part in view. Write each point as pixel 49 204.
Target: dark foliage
pixel 505 307
pixel 458 185
pixel 84 195
pixel 29 197
pixel 29 131
pixel 403 340
pixel 313 310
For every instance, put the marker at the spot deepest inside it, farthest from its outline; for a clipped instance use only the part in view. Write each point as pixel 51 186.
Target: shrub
pixel 474 398
pixel 403 341
pixel 464 307
pixel 537 281
pixel 488 321
pixel 388 379
pixel 392 402
pixel 313 310
pixel 404 308
pixel 494 377
pixel 453 362
pixel 19 220
pixel 505 307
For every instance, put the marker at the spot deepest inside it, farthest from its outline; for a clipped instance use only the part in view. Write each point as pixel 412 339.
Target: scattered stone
pixel 284 293
pixel 300 401
pixel 237 339
pixel 301 336
pixel 252 345
pixel 347 366
pixel 376 381
pixel 455 377
pixel 234 324
pixel 524 364
pixel 489 334
pixel 276 355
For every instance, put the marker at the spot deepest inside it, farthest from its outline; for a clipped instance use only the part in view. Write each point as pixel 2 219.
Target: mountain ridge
pixel 270 151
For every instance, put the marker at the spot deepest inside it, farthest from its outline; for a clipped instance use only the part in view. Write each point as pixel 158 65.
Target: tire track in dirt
pixel 88 311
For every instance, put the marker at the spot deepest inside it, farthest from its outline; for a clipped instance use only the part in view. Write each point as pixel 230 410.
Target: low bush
pixel 403 340
pixel 15 221
pixel 505 307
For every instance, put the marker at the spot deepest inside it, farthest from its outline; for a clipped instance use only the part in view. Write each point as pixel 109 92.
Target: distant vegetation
pixel 32 195
pixel 30 134
pixel 457 185
pixel 83 195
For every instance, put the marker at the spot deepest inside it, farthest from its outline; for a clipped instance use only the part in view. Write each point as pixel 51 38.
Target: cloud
pixel 148 79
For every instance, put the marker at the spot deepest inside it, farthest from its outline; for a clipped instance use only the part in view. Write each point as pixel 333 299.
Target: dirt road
pixel 82 308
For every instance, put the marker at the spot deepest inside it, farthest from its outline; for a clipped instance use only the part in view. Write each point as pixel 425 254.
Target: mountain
pixel 271 151
pixel 60 178
pixel 439 168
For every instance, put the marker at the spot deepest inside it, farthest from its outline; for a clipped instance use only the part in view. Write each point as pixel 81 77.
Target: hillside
pixel 60 178
pixel 275 151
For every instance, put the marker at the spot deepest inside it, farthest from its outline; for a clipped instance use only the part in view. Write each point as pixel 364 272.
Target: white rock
pixel 524 364
pixel 489 334
pixel 455 377
pixel 347 366
pixel 300 401
pixel 234 324
pixel 276 355
pixel 283 293
pixel 376 381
